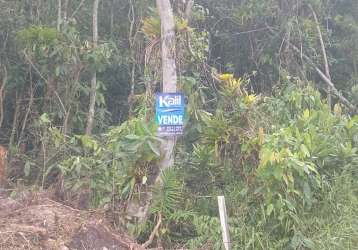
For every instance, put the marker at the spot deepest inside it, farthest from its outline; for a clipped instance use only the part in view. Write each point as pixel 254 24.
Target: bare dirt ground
pixel 35 221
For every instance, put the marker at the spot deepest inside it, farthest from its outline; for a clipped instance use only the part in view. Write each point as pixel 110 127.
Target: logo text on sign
pixel 170 100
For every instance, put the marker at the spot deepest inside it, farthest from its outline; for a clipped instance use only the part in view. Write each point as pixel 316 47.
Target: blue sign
pixel 170 109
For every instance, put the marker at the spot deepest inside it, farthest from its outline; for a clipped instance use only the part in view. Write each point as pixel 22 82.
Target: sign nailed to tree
pixel 170 109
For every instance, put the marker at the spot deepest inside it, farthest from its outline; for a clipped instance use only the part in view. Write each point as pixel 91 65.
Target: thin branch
pixel 323 47
pixel 43 78
pixel 154 232
pixel 352 107
pixel 328 81
pixel 249 31
pixel 78 8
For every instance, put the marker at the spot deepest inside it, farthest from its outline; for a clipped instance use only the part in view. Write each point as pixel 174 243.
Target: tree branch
pixel 78 8
pixel 326 65
pixel 329 82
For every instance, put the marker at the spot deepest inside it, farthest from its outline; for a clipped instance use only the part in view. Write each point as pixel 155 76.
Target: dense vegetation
pixel 271 123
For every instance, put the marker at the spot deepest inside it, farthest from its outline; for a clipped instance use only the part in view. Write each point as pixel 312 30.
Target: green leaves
pixel 115 165
pixel 311 144
pixel 44 119
pixel 99 58
pixel 167 195
pixel 40 36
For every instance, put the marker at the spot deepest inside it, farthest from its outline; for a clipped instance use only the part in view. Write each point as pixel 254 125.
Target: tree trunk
pixel 2 95
pixel 111 21
pixel 169 76
pixel 131 38
pixel 92 103
pixel 14 122
pixel 59 15
pixel 169 73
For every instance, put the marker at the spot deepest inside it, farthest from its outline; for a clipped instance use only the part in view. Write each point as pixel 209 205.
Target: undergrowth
pixel 286 165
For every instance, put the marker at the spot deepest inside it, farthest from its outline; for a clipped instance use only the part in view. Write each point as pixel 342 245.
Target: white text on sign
pixel 170 119
pixel 169 101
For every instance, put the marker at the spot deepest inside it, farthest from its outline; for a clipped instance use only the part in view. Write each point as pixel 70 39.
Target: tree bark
pixel 93 91
pixel 169 74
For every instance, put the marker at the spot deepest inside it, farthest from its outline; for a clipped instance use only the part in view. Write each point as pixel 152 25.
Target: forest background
pixel 271 123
